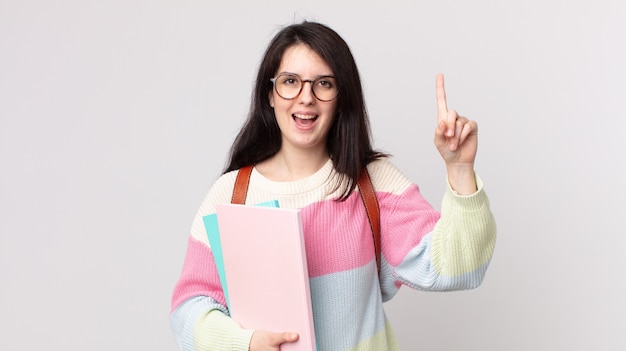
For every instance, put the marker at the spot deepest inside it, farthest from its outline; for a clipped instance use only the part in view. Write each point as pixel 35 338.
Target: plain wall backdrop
pixel 116 117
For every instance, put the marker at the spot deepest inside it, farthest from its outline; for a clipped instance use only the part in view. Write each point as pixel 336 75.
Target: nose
pixel 306 95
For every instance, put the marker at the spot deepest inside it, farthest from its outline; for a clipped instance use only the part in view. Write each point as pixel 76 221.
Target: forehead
pixel 302 60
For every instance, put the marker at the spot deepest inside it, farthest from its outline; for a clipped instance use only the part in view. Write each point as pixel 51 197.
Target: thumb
pixel 288 337
pixel 440 136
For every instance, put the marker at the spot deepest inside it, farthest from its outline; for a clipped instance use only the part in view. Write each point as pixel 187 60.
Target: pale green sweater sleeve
pixel 216 331
pixel 465 235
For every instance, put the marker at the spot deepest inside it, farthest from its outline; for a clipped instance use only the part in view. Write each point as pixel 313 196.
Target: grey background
pixel 116 117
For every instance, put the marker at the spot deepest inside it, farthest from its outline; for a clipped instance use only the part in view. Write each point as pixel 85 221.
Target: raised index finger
pixel 442 108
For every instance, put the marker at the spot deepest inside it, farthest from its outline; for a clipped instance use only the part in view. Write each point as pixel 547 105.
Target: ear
pixel 271 98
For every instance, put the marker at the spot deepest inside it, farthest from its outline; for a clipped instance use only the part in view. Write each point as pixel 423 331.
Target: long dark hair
pixel 349 138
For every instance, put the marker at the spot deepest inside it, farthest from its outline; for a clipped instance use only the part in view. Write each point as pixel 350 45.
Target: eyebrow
pixel 316 77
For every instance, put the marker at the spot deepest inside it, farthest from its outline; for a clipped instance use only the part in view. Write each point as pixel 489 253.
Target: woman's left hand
pixel 456 139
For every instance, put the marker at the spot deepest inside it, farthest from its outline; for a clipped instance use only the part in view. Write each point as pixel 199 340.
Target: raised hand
pixel 456 139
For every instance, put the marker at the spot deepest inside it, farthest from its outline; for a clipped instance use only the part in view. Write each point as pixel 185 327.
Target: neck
pixel 288 166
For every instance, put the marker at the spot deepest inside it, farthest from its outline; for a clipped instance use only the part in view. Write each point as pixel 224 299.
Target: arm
pixel 465 208
pixel 463 240
pixel 199 317
pixel 452 251
pixel 433 251
pixel 200 322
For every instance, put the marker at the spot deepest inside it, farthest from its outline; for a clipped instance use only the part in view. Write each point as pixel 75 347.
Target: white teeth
pixel 304 116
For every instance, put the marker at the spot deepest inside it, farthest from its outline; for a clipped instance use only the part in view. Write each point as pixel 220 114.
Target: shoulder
pixel 226 179
pixel 221 191
pixel 386 177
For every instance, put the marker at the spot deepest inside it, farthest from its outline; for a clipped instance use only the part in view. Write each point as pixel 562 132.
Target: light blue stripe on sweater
pixel 418 272
pixel 342 311
pixel 184 317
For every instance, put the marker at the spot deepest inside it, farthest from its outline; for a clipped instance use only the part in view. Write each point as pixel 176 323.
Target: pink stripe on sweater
pixel 336 240
pixel 405 222
pixel 199 275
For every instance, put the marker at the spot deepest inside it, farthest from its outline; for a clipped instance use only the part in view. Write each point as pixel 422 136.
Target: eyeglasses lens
pixel 290 86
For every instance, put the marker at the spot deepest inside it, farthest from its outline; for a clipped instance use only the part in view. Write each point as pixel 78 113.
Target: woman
pixel 308 137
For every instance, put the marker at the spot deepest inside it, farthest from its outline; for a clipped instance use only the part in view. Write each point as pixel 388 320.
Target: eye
pixel 289 81
pixel 326 83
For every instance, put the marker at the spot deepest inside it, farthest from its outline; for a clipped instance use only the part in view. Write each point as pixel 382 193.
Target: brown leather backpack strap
pixel 368 195
pixel 241 185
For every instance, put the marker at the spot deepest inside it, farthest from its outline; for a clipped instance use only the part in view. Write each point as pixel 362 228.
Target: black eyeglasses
pixel 288 86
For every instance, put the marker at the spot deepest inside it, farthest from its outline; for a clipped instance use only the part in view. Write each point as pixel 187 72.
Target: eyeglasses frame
pixel 273 80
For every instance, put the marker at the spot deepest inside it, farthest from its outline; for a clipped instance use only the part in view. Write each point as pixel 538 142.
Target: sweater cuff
pixel 472 202
pixel 217 331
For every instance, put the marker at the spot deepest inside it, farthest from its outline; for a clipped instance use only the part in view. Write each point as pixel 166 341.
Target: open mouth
pixel 304 119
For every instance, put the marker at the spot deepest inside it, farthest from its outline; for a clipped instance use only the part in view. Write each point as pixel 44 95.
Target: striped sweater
pixel 422 248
